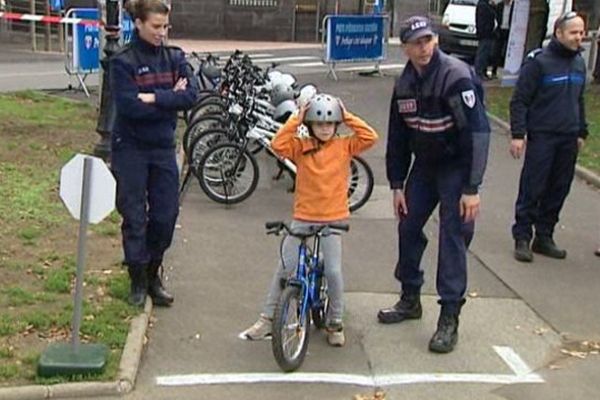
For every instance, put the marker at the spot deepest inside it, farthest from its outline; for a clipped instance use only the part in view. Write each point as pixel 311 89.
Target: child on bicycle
pixel 321 197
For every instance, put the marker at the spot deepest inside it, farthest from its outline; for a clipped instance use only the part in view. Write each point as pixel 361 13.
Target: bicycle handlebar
pixel 275 227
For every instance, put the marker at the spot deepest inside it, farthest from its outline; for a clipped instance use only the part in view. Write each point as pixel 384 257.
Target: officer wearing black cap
pixel 547 112
pixel 436 115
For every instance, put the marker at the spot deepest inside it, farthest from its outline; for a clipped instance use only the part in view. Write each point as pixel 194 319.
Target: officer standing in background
pixel 547 113
pixel 485 22
pixel 437 114
pixel 150 83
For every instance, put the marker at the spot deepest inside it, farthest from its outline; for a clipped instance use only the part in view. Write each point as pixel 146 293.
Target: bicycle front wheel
pixel 227 173
pixel 290 332
pixel 360 185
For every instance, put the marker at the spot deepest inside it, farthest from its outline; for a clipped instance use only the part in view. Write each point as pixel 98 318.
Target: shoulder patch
pixel 534 53
pixel 469 98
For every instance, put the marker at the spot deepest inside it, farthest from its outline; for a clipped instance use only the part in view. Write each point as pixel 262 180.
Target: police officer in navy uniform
pixel 437 115
pixel 150 83
pixel 548 123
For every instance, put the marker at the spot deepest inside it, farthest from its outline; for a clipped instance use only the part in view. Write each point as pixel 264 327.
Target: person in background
pixel 485 21
pixel 504 11
pixel 548 124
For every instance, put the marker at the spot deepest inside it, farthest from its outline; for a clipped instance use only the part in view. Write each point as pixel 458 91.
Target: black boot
pixel 409 307
pixel 139 285
pixel 522 251
pixel 446 336
pixel 546 246
pixel 160 297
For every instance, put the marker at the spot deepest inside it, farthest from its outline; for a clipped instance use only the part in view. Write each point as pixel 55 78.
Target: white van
pixel 458 32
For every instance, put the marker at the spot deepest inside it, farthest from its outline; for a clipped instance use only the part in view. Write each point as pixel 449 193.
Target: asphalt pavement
pixel 517 319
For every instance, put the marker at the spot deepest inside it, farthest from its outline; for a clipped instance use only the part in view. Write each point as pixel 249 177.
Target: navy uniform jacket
pixel 548 97
pixel 141 67
pixel 440 117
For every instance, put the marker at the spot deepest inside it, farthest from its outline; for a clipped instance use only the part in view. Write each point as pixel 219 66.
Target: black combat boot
pixel 139 285
pixel 408 307
pixel 522 251
pixel 546 246
pixel 156 290
pixel 446 336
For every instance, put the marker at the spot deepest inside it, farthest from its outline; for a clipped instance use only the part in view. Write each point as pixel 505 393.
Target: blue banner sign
pixel 86 42
pixel 127 27
pixel 355 38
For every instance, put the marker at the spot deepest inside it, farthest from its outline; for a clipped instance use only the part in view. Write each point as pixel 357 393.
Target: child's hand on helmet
pixel 344 110
pixel 302 111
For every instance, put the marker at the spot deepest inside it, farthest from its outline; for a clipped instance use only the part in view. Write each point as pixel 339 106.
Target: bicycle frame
pixel 307 273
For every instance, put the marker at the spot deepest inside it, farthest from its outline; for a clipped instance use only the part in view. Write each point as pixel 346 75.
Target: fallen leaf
pixel 578 354
pixel 473 294
pixel 540 331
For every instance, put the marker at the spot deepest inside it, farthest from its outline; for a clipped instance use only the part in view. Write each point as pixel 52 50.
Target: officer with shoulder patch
pixel 437 115
pixel 547 114
pixel 150 83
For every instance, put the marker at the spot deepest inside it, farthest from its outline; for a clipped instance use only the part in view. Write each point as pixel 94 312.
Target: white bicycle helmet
pixel 282 92
pixel 307 92
pixel 284 110
pixel 288 79
pixel 324 108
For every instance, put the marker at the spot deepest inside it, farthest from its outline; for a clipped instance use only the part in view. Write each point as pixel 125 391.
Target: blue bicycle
pixel 304 297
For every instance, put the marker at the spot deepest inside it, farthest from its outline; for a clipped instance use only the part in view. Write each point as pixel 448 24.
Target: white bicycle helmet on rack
pixel 282 92
pixel 306 93
pixel 284 110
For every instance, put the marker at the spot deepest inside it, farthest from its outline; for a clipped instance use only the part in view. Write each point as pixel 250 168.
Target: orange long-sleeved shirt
pixel 322 176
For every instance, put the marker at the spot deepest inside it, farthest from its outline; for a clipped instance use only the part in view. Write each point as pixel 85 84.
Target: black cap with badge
pixel 414 28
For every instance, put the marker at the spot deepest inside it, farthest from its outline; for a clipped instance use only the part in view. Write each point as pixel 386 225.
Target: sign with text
pixel 86 42
pixel 355 38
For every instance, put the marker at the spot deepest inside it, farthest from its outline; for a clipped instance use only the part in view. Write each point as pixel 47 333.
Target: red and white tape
pixel 48 19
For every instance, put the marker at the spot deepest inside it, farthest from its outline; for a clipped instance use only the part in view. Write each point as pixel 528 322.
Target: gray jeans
pixel 331 248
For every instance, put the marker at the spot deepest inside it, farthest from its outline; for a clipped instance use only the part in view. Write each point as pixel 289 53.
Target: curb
pixel 128 368
pixel 585 174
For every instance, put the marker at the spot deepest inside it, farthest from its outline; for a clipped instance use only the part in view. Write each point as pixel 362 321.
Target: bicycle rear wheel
pixel 360 185
pixel 290 334
pixel 227 173
pixel 202 124
pixel 204 142
pixel 209 107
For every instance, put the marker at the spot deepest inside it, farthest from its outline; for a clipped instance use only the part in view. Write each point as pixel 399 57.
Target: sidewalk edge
pixel 582 173
pixel 128 368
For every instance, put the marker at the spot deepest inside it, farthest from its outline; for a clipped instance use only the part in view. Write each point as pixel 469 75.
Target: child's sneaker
pixel 335 335
pixel 261 330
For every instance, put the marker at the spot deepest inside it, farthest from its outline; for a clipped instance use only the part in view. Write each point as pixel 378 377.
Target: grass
pixel 498 100
pixel 39 134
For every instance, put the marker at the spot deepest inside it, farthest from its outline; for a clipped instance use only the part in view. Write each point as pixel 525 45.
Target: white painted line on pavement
pixel 522 375
pixel 343 379
pixel 364 67
pixel 308 64
pixel 260 55
pixel 24 74
pixel 283 59
pixel 514 361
